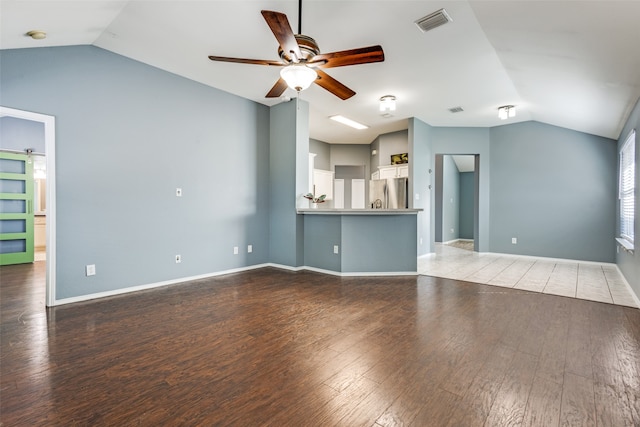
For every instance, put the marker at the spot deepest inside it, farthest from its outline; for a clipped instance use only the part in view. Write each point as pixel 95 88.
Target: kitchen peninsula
pixel 361 241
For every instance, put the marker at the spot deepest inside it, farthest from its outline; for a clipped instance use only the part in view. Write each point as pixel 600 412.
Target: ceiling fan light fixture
pixel 506 111
pixel 298 76
pixel 387 103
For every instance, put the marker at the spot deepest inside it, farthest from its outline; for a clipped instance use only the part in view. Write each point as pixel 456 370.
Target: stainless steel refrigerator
pixel 390 193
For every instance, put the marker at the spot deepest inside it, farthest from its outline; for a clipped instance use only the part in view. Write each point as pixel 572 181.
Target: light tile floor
pixel 583 280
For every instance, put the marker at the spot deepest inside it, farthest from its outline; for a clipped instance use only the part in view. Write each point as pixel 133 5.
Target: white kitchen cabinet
pixel 323 183
pixel 393 171
pixel 388 172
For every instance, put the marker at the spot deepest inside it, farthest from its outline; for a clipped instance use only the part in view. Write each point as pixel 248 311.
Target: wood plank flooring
pixel 277 348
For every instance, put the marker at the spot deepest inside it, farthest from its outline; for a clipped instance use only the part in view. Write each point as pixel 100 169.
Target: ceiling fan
pixel 302 61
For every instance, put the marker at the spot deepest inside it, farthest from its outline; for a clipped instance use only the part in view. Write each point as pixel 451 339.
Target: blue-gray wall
pixel 322 150
pixel 289 163
pixel 628 263
pixel 450 200
pixel 127 135
pixel 421 180
pixel 553 189
pixel 19 134
pixel 359 239
pixel 465 223
pixel 386 145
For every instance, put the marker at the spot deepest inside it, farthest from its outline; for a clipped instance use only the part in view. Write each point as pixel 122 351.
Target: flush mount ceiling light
pixel 351 123
pixel 37 34
pixel 387 103
pixel 506 111
pixel 298 77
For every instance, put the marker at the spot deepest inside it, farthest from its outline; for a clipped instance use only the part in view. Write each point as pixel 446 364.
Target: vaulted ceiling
pixel 574 64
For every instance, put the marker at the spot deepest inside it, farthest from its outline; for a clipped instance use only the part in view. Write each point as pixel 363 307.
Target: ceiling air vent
pixel 433 20
pixel 456 109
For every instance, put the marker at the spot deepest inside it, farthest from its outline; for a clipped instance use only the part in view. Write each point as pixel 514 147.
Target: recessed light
pixel 345 121
pixel 37 34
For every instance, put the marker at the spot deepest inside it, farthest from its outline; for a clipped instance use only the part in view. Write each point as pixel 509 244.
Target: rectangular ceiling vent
pixel 456 109
pixel 433 20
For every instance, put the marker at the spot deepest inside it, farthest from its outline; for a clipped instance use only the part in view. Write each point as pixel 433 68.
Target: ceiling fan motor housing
pixel 308 47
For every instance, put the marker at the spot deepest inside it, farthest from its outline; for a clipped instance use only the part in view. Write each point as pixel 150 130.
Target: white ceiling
pixel 574 64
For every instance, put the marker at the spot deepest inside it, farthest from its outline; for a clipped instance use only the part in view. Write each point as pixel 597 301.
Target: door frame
pixel 438 202
pixel 49 123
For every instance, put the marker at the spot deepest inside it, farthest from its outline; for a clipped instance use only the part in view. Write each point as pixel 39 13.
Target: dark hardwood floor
pixel 277 348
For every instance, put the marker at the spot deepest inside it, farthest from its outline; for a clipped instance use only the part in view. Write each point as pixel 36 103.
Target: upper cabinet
pixel 391 171
pixel 323 183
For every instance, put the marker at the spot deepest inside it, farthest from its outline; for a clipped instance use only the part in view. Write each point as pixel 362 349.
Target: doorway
pixel 49 189
pixel 456 200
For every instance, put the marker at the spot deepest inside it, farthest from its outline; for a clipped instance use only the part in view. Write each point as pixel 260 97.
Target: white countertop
pixel 319 211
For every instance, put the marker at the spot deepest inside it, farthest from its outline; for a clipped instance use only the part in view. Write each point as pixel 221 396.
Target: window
pixel 627 189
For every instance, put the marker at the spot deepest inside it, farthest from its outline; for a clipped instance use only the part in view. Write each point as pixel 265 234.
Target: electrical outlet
pixel 417 196
pixel 236 251
pixel 336 249
pixel 90 270
pixel 421 240
pixel 249 249
pixel 178 192
pixel 514 240
pixel 178 259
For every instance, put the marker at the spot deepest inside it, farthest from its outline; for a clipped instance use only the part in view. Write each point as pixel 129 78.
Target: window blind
pixel 627 187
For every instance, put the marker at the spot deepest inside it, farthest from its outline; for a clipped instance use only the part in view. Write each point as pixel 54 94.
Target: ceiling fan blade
pixel 246 61
pixel 327 82
pixel 278 89
pixel 280 27
pixel 363 55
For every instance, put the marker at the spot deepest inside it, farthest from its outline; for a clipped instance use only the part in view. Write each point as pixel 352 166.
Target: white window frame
pixel 626 191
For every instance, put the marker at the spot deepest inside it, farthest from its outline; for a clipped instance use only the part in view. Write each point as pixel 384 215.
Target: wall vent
pixel 456 109
pixel 433 20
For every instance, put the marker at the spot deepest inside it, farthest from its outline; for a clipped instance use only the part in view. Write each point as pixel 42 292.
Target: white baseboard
pixel 121 291
pixel 115 292
pixel 542 258
pixel 629 288
pixel 361 273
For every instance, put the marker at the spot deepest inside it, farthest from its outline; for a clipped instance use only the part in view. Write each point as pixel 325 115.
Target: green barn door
pixel 16 209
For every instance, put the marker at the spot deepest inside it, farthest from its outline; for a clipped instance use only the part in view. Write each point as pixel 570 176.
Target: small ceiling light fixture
pixel 345 121
pixel 37 34
pixel 298 76
pixel 387 103
pixel 506 111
